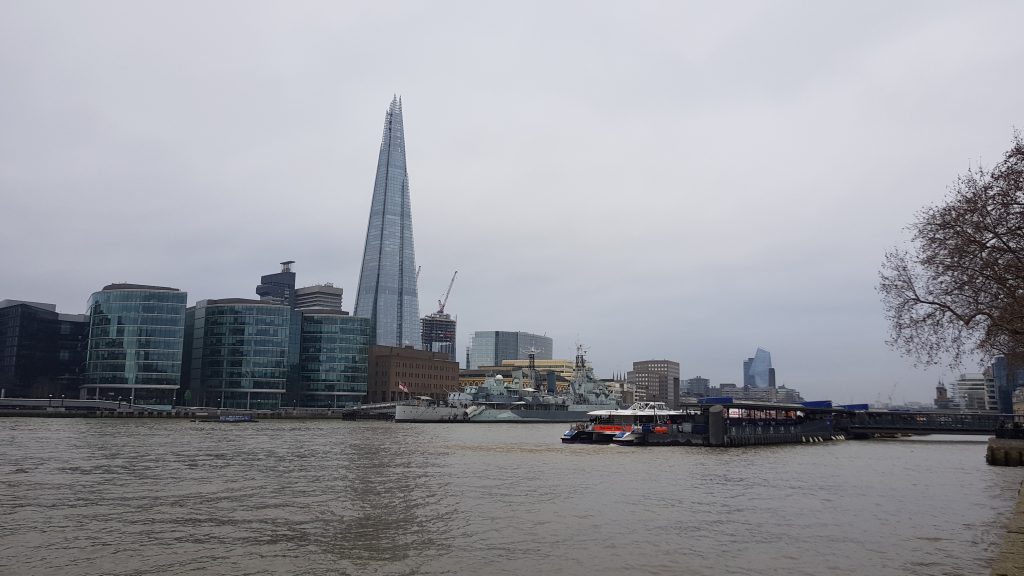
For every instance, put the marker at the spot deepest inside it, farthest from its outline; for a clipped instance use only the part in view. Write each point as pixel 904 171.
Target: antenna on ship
pixel 579 373
pixel 581 362
pixel 531 354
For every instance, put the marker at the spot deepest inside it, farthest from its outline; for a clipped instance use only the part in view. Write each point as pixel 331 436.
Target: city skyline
pixel 673 182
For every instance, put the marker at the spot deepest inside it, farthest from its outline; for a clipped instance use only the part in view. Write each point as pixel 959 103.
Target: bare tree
pixel 959 288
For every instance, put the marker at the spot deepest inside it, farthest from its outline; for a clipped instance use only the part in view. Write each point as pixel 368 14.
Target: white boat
pixel 622 425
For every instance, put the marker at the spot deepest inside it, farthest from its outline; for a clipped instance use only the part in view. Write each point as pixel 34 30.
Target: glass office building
pixel 333 358
pixel 758 371
pixel 239 355
pixel 387 280
pixel 136 335
pixel 489 348
pixel 1008 374
pixel 42 352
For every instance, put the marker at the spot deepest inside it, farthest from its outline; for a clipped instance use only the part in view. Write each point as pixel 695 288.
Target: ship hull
pixel 405 413
pixel 577 413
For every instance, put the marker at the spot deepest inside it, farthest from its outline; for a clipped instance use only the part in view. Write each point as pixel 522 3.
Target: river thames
pixel 120 497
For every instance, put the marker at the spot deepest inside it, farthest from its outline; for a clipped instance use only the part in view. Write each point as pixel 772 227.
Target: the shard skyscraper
pixel 387 282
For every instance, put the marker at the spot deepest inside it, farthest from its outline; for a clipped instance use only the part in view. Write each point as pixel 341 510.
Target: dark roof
pixel 110 287
pixel 212 302
pixel 728 402
pixel 323 311
pixel 40 305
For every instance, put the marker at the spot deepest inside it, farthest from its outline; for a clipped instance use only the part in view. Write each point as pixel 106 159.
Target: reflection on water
pixel 325 497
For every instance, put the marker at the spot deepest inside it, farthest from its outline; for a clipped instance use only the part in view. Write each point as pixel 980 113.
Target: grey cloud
pixel 681 180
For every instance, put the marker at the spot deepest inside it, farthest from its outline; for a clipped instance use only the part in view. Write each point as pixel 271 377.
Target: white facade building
pixel 976 392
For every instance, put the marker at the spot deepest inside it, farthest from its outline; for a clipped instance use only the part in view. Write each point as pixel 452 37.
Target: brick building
pixel 421 372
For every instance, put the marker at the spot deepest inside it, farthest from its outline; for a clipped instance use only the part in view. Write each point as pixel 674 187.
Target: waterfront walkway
pixel 76 408
pixel 1010 561
pixel 58 404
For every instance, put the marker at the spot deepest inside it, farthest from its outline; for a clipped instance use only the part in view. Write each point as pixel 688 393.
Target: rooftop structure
pixel 125 286
pixel 278 288
pixel 319 296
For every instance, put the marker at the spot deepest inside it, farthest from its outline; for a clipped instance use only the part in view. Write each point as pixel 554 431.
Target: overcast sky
pixel 681 180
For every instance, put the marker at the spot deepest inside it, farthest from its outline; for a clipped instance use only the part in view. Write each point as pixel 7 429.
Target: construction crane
pixel 444 298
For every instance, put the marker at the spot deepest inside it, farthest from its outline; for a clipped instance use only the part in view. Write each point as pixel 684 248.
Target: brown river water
pixel 135 497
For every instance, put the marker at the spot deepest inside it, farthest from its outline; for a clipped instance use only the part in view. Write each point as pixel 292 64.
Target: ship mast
pixel 531 353
pixel 579 376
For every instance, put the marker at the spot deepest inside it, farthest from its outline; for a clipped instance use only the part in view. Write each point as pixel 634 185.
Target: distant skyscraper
pixel 490 348
pixel 655 381
pixel 758 371
pixel 387 282
pixel 439 334
pixel 977 391
pixel 319 296
pixel 697 386
pixel 1008 373
pixel 278 288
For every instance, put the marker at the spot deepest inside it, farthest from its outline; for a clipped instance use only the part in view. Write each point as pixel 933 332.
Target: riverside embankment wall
pixel 1005 452
pixel 1010 561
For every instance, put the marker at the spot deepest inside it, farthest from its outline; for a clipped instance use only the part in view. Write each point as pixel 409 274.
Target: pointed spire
pixel 387 290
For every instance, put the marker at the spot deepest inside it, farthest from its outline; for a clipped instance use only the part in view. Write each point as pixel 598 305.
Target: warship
pixel 500 400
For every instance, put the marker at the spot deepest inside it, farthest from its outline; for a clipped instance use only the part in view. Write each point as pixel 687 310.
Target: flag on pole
pixel 403 387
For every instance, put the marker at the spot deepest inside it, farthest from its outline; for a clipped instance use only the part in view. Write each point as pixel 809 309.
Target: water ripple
pixel 85 497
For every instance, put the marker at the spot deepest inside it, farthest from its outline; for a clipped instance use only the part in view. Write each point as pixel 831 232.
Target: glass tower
pixel 757 371
pixel 387 281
